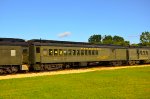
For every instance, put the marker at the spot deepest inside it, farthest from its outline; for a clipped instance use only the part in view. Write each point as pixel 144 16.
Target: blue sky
pixel 74 20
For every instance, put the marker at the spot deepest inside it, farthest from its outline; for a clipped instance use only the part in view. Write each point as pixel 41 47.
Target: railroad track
pixel 66 71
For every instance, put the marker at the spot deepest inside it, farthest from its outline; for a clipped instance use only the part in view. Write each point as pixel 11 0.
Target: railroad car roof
pixel 147 47
pixel 13 42
pixel 39 42
pixel 12 39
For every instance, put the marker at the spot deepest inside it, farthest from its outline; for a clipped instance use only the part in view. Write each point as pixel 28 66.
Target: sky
pixel 74 20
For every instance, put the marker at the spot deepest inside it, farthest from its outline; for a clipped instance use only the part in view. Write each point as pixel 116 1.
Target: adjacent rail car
pixel 13 55
pixel 138 55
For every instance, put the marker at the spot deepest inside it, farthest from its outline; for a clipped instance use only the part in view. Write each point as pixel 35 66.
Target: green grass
pixel 131 83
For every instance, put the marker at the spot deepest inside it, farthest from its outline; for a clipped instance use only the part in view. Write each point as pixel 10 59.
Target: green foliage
pixel 96 39
pixel 134 44
pixel 131 83
pixel 117 40
pixel 145 38
pixel 126 43
pixel 108 39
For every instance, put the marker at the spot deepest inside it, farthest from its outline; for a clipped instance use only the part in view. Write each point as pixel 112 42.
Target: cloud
pixel 64 34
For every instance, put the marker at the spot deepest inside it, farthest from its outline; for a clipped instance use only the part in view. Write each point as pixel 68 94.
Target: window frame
pixel 38 50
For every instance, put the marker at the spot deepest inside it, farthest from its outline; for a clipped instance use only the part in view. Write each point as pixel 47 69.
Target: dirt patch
pixel 67 71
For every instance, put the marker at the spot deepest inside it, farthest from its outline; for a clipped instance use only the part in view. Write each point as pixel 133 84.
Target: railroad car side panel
pixel 120 54
pixel 143 54
pixel 10 55
pixel 133 54
pixel 106 54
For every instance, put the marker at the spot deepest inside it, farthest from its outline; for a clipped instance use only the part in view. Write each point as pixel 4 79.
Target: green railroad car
pixel 138 55
pixel 48 55
pixel 13 55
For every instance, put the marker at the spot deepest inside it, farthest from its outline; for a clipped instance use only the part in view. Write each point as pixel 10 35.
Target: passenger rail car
pixel 13 55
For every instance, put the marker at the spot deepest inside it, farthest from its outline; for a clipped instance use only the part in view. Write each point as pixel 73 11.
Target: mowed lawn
pixel 131 83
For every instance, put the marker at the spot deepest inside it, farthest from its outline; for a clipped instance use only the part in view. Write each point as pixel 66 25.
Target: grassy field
pixel 131 83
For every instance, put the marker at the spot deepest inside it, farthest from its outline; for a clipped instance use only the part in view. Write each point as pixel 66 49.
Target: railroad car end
pixel 24 67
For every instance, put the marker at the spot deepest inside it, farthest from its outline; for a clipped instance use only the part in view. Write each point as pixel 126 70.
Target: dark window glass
pixel 65 52
pixel 86 52
pixel 60 52
pixel 89 52
pixel 146 52
pixel 37 49
pixel 69 52
pixel 82 52
pixel 25 51
pixel 93 52
pixel 50 51
pixel 96 52
pixel 55 51
pixel 137 52
pixel 78 52
pixel 113 50
pixel 73 52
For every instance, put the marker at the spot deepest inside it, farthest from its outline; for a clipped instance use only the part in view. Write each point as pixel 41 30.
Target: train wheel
pixel 8 70
pixel 1 71
pixel 49 68
pixel 116 63
pixel 14 69
pixel 60 66
pixel 68 66
pixel 131 63
pixel 113 63
pixel 46 67
pixel 137 62
pixel 41 67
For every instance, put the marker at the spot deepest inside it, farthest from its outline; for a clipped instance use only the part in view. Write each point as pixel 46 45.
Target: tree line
pixel 118 40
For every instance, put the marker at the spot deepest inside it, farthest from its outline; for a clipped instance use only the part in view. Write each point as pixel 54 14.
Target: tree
pixel 126 43
pixel 107 39
pixel 117 40
pixel 96 39
pixel 145 38
pixel 134 44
